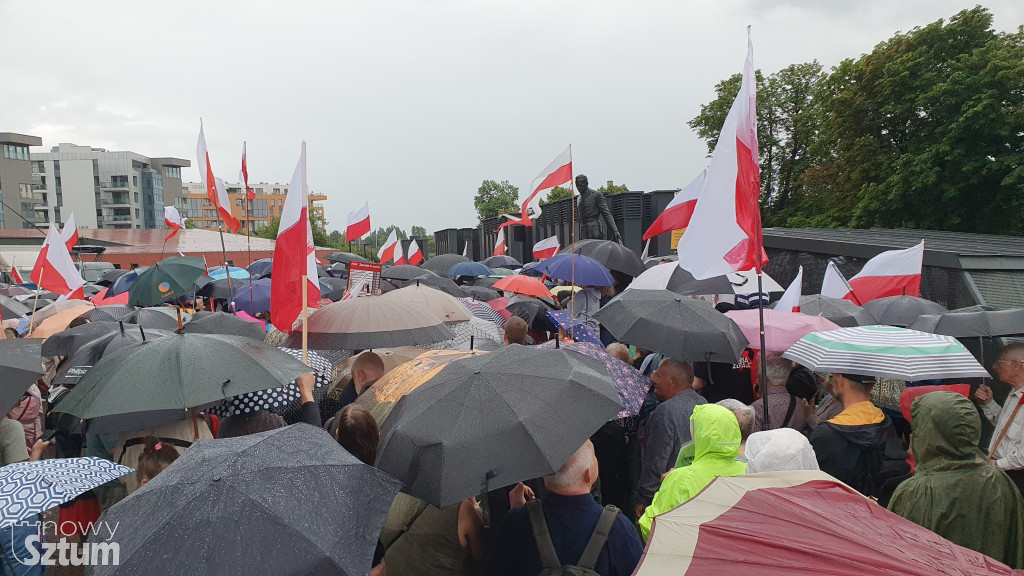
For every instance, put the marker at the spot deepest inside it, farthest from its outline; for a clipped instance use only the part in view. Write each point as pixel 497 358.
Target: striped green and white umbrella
pixel 887 352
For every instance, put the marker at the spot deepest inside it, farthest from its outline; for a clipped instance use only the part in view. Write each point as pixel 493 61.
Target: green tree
pixel 421 232
pixel 494 199
pixel 320 238
pixel 556 193
pixel 613 189
pixel 191 225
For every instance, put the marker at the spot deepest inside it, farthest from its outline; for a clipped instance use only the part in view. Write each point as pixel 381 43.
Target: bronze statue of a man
pixel 595 218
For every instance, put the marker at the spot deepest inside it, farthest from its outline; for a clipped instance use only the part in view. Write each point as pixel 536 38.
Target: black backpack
pixel 550 564
pixel 886 467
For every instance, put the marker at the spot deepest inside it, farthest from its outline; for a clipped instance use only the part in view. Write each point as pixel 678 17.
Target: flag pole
pixel 248 241
pixel 572 257
pixel 305 318
pixel 35 302
pixel 227 268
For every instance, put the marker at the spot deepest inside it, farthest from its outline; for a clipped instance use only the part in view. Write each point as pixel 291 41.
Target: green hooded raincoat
pixel 716 442
pixel 955 492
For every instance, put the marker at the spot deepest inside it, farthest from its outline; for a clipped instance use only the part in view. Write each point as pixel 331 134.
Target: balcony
pixel 108 185
pixel 107 199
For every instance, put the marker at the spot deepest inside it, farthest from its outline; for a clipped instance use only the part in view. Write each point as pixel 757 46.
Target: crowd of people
pixel 699 421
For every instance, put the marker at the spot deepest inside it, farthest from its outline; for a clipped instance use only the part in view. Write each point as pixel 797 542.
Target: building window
pixel 60 199
pixel 259 190
pixel 135 181
pixel 28 211
pixel 119 181
pixel 15 152
pixel 206 202
pixel 136 197
pixel 26 191
pixel 40 167
pixel 96 181
pixel 56 182
pixel 258 208
pixel 277 190
pixel 172 172
pixel 238 201
pixel 137 215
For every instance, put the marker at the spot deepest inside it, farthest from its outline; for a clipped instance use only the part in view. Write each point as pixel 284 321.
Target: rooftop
pixel 25 139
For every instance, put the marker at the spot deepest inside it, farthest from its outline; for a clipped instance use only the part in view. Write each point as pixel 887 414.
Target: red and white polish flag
pixel 676 215
pixel 558 172
pixel 465 250
pixel 294 255
pixel 891 273
pixel 173 220
pixel 724 232
pixel 358 224
pixel 387 251
pixel 15 275
pixel 834 284
pixel 70 232
pixel 499 243
pixel 243 176
pixel 790 301
pixel 54 269
pixel 415 254
pixel 546 248
pixel 216 191
pixel 399 257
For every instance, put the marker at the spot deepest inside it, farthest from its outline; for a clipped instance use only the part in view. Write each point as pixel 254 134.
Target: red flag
pixel 499 244
pixel 358 222
pixel 294 255
pixel 54 270
pixel 174 220
pixel 558 172
pixel 546 248
pixel 215 189
pixel 387 251
pixel 676 215
pixel 244 177
pixel 415 254
pixel 70 233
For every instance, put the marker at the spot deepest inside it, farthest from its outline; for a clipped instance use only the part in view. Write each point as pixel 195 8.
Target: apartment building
pixel 23 203
pixel 267 205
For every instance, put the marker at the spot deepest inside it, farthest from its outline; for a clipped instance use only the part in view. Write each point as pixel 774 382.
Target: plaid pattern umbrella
pixel 887 352
pixel 28 488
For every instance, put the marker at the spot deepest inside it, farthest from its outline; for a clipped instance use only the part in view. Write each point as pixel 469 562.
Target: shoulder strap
pixel 789 413
pixel 137 441
pixel 598 539
pixel 545 549
pixel 407 526
pixel 1006 428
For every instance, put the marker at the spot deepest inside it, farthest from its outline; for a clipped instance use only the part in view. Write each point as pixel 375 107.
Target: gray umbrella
pixel 173 373
pixel 20 366
pixel 67 342
pixel 161 318
pixel 85 349
pixel 111 276
pixel 533 310
pixel 370 322
pixel 484 281
pixel 11 308
pixel 679 327
pixel 613 255
pixel 493 420
pixel 980 323
pixel 481 293
pixel 443 262
pixel 288 501
pixel 223 323
pixel 901 310
pixel 844 313
pixel 110 312
pixel 345 257
pixel 405 272
pixel 446 285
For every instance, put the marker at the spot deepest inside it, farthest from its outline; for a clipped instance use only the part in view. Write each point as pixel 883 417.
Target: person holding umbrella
pixel 1006 450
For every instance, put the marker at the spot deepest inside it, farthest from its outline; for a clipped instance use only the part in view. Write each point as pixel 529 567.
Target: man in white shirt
pixel 1006 449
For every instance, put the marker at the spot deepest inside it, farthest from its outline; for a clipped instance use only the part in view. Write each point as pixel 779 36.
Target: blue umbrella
pixel 218 273
pixel 530 269
pixel 28 488
pixel 125 282
pixel 579 331
pixel 255 300
pixel 589 272
pixel 468 269
pixel 260 266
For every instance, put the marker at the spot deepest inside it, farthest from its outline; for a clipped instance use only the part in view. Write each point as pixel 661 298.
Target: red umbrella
pixel 500 306
pixel 523 285
pixel 100 298
pixel 798 522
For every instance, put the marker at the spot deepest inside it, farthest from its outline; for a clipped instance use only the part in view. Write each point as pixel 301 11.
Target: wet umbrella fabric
pixel 538 405
pixel 160 318
pixel 781 329
pixel 485 281
pixel 577 330
pixel 679 327
pixel 218 273
pixel 629 382
pixel 60 320
pixel 805 512
pixel 84 355
pixel 525 285
pixel 110 312
pixel 11 308
pixel 223 323
pixel 20 366
pixel 51 310
pixel 168 279
pixel 533 310
pixel 405 272
pixel 67 342
pixel 223 289
pixel 337 291
pixel 111 276
pixel 28 488
pixel 588 272
pixel 370 322
pixel 480 293
pixel 286 501
pixel 483 311
pixel 345 257
pixel 260 266
pixel 192 370
pixel 976 323
pixel 468 269
pixel 125 281
pixel 253 298
pixel 444 306
pixel 443 262
pixel 15 291
pixel 474 332
pixel 843 313
pixel 612 255
pixel 902 310
pixel 675 279
pixel 446 285
pixel 381 397
pixel 502 261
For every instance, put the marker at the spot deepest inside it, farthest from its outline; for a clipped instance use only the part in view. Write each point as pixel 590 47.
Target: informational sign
pixel 364 278
pixel 676 235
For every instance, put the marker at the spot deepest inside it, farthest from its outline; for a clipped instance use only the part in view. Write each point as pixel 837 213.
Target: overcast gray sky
pixel 410 104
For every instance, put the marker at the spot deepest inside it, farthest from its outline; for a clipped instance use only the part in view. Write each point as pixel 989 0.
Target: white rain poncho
pixel 780 449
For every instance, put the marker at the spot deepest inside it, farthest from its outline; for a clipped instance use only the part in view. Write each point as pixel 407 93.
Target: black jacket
pixel 869 457
pixel 596 219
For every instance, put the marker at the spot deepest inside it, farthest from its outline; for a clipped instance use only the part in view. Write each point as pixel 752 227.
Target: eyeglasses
pixel 1008 362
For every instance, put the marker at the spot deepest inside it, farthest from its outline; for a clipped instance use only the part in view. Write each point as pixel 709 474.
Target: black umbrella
pixel 481 293
pixel 844 313
pixel 370 322
pixel 91 289
pixel 223 323
pixel 288 501
pixel 443 262
pixel 652 262
pixel 446 285
pixel 84 354
pixel 111 276
pixel 389 285
pixel 11 308
pixel 338 287
pixel 223 289
pixel 110 312
pixel 345 257
pixel 162 318
pixel 679 327
pixel 979 323
pixel 537 405
pixel 67 342
pixel 405 272
pixel 20 366
pixel 173 373
pixel 483 281
pixel 533 310
pixel 502 261
pixel 613 255
pixel 338 269
pixel 901 310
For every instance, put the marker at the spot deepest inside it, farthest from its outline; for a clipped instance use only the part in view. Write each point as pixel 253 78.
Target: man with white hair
pixel 784 409
pixel 568 526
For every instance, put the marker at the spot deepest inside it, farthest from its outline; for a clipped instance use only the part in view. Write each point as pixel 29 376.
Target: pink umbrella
pixel 100 298
pixel 246 316
pixel 781 329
